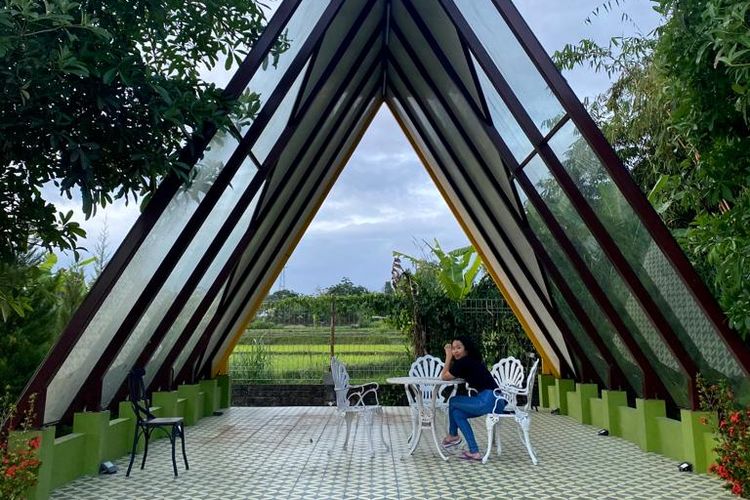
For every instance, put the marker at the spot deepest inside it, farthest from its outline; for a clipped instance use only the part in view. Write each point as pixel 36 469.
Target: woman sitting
pixel 463 360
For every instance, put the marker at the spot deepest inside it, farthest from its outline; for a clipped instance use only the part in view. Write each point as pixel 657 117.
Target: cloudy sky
pixel 384 200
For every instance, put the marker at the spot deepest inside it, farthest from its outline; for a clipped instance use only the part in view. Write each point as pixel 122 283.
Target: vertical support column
pixel 95 427
pixel 647 412
pixel 210 396
pixel 561 389
pixel 167 401
pixel 225 390
pixel 694 441
pixel 611 401
pixel 579 402
pixel 125 410
pixel 544 381
pixel 191 393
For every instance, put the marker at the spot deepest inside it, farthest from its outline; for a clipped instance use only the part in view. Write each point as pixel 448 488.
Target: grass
pixel 339 349
pixel 301 355
pixel 297 335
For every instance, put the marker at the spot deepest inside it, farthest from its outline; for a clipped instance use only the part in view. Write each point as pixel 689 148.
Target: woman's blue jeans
pixel 462 408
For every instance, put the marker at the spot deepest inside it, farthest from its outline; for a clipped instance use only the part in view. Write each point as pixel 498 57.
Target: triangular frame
pixel 194 268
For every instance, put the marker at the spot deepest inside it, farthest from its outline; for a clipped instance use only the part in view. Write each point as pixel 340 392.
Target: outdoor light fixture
pixel 603 432
pixel 556 411
pixel 107 468
pixel 685 467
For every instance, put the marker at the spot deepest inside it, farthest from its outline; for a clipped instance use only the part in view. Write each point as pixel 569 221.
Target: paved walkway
pixel 281 453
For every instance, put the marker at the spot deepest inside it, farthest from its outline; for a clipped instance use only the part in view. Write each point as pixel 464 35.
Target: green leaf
pixel 739 88
pixel 49 262
pixel 109 76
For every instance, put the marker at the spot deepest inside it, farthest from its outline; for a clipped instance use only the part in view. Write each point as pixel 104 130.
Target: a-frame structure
pixel 596 279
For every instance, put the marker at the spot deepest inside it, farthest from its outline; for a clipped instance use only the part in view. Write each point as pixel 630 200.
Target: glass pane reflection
pixel 512 62
pixel 609 279
pixel 683 313
pixel 604 327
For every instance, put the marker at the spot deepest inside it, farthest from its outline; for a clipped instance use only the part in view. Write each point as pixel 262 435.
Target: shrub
pixel 19 466
pixel 733 449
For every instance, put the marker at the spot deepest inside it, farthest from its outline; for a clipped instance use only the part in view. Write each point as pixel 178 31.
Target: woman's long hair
pixel 470 347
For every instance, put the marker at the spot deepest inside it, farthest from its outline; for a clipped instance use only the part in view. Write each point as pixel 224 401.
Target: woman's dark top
pixel 474 372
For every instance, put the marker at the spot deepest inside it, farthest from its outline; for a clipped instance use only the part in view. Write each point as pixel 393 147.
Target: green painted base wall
pixel 670 434
pixel 97 438
pixel 69 451
pixel 646 425
pixel 598 414
pixel 629 428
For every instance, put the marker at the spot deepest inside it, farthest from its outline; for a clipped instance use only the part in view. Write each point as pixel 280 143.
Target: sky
pixel 384 200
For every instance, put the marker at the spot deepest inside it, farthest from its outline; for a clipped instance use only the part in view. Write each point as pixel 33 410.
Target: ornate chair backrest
pixel 508 372
pixel 530 385
pixel 138 396
pixel 428 366
pixel 340 383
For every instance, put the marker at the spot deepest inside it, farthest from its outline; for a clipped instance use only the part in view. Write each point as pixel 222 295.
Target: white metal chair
pixel 427 366
pixel 350 401
pixel 508 374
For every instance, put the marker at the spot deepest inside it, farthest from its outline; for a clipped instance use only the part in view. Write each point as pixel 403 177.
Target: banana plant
pixel 457 269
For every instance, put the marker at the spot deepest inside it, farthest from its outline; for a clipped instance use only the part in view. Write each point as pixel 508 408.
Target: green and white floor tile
pixel 282 453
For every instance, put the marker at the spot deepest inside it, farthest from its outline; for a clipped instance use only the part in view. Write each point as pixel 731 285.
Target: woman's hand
pixel 448 351
pixel 444 373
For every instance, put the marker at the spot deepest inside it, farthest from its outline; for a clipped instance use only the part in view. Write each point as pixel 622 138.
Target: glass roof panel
pixel 337 33
pixel 427 59
pixel 279 120
pixel 160 352
pixel 198 333
pixel 685 316
pixel 284 225
pixel 617 291
pixel 445 36
pixel 502 118
pixel 297 30
pixel 469 122
pixel 470 168
pixel 117 305
pixel 604 327
pixel 581 338
pixel 174 283
pixel 514 64
pixel 327 94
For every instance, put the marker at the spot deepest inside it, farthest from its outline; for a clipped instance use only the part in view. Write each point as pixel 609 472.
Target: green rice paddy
pixel 302 355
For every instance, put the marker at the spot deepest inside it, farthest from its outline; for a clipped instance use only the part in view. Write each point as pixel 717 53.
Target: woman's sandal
pixel 469 457
pixel 450 443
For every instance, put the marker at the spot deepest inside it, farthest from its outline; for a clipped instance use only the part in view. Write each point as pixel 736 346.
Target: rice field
pixel 301 355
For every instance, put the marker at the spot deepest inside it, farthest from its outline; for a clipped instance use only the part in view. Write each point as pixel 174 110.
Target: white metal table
pixel 426 415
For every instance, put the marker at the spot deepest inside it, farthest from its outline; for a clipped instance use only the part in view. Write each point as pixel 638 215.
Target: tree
pixel 100 97
pixel 26 337
pixel 101 249
pixel 677 114
pixel 281 294
pixel 345 287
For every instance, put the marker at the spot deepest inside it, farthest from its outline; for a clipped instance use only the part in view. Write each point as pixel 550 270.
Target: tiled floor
pixel 281 453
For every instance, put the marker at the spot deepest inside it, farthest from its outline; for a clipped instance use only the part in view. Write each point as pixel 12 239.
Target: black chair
pixel 146 422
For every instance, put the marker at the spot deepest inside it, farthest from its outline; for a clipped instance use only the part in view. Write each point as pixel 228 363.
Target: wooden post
pixel 333 323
